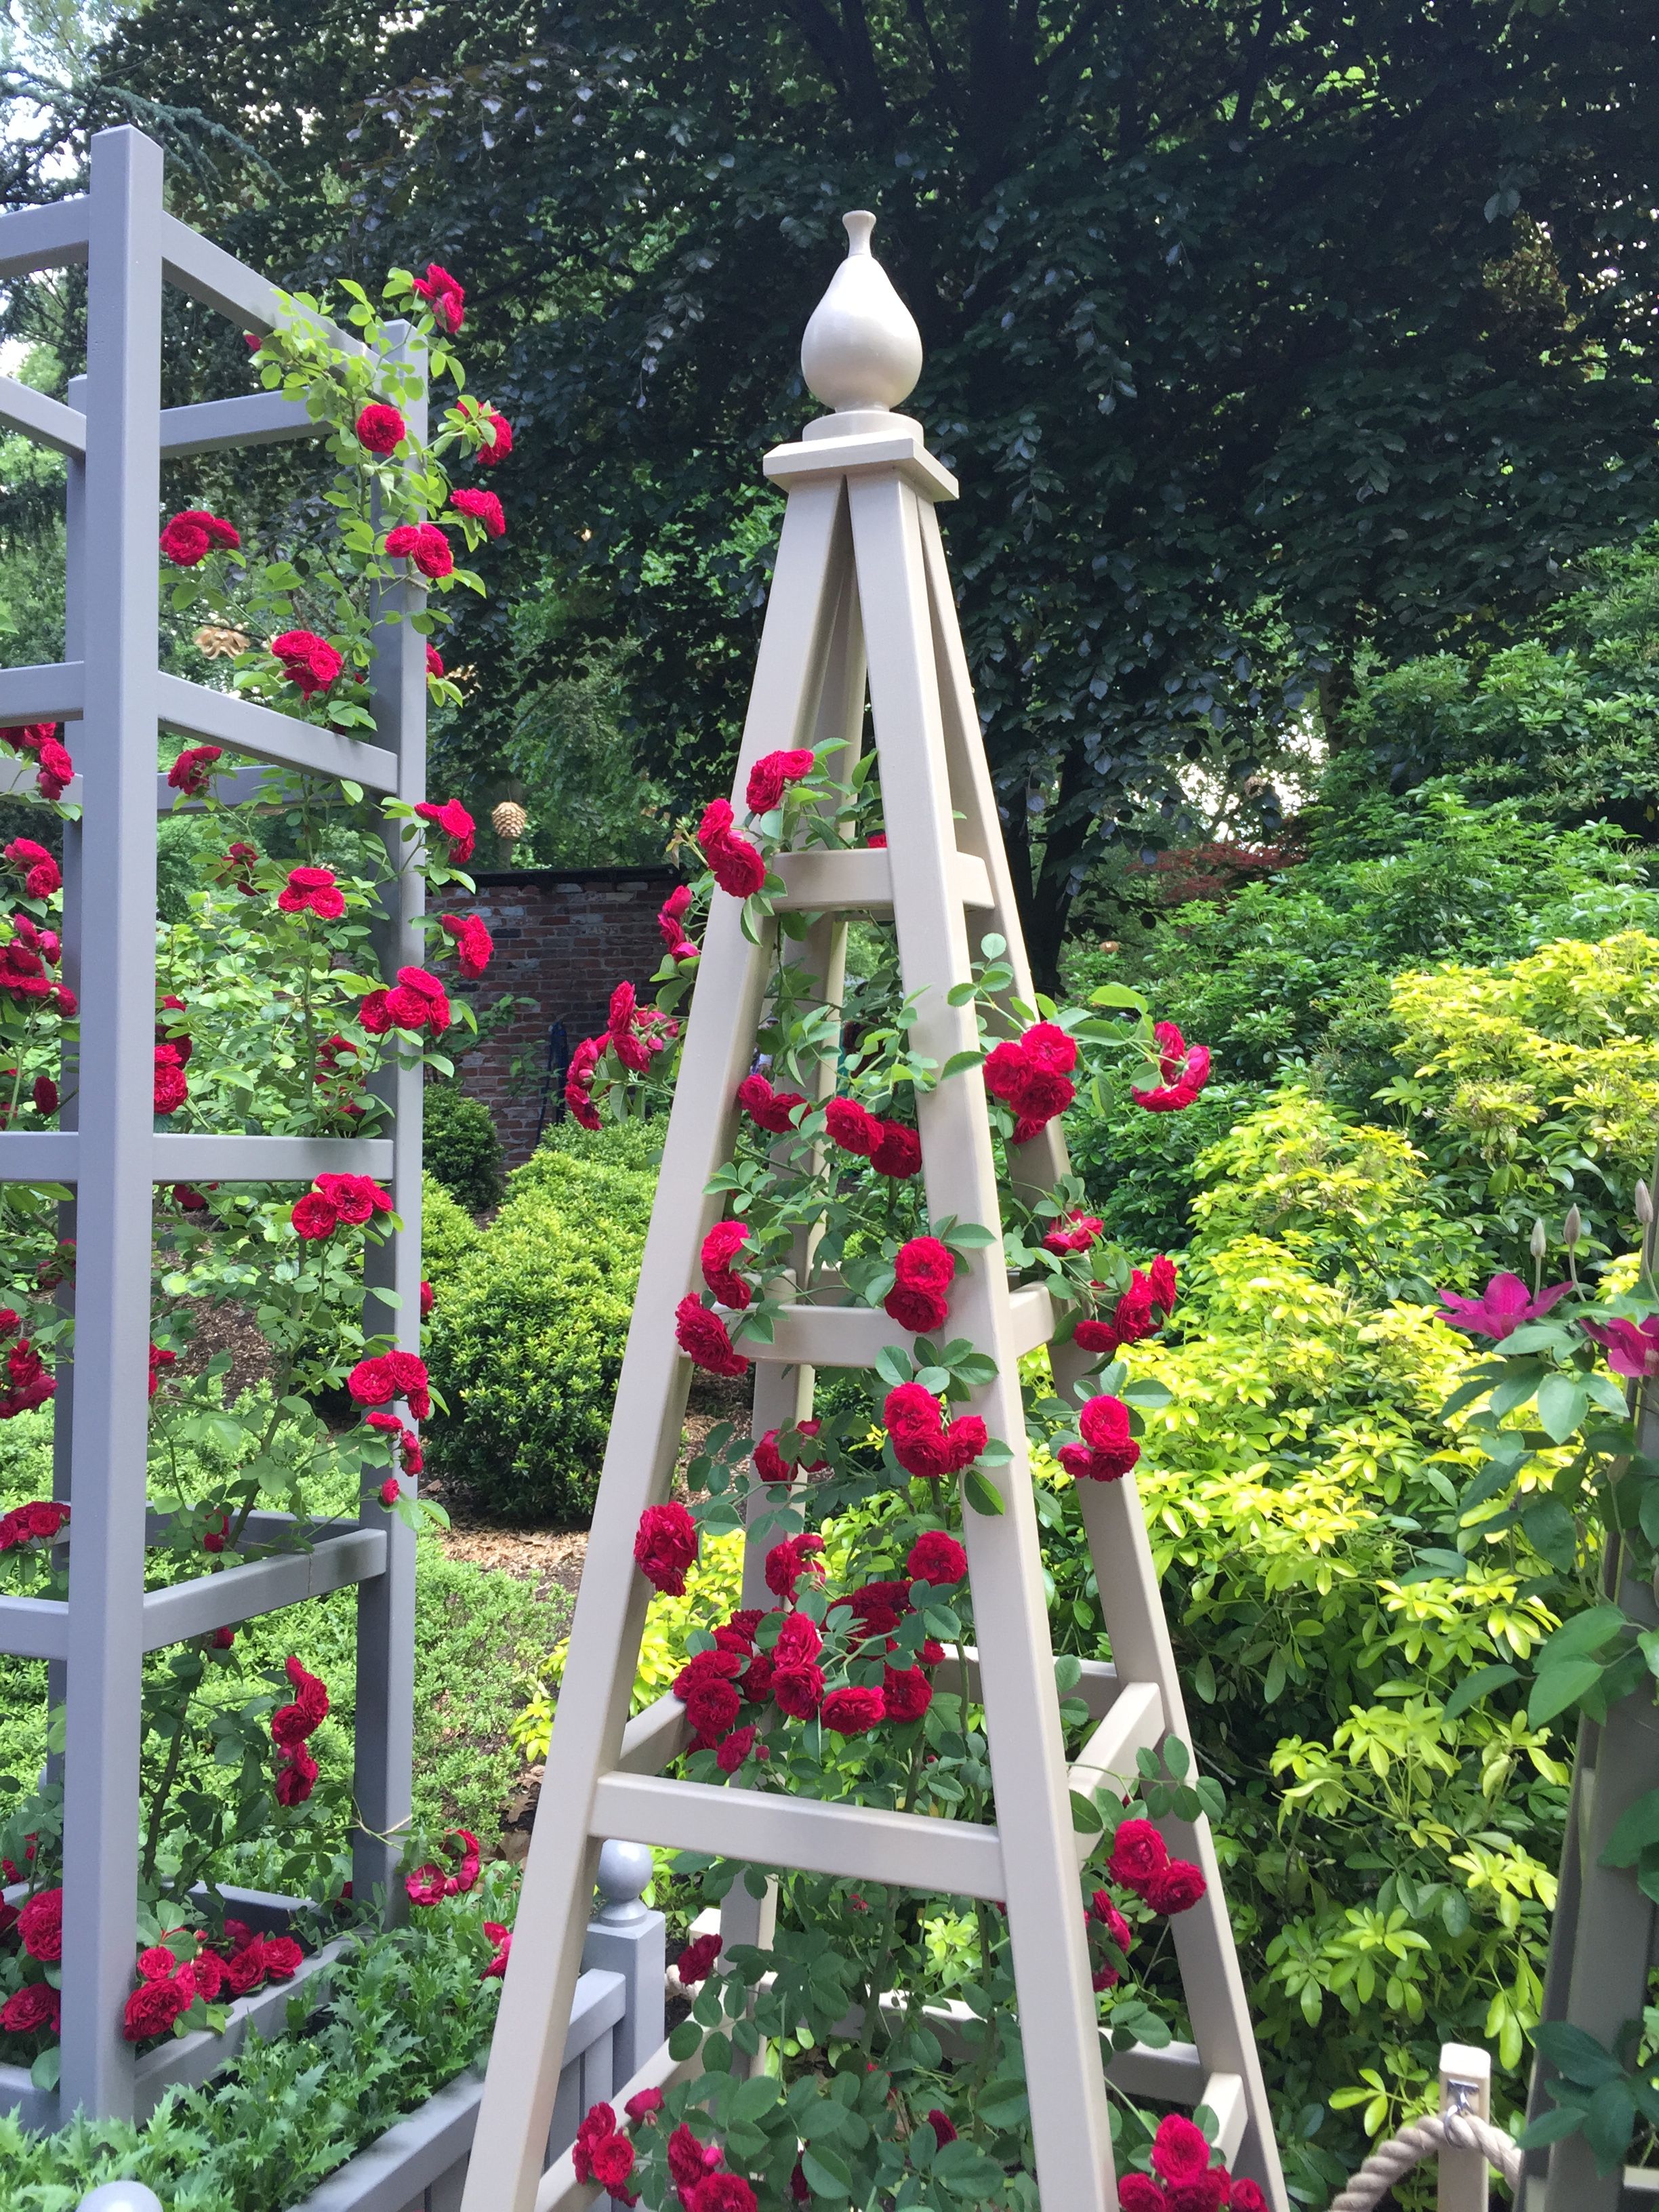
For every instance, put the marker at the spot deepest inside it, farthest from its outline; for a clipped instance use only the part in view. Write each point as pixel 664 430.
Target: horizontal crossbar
pixel 951 1858
pixel 55 691
pixel 257 418
pixel 1175 2074
pixel 206 272
pixel 852 1336
pixel 48 421
pixel 38 1628
pixel 223 719
pixel 182 1156
pixel 858 881
pixel 864 453
pixel 50 237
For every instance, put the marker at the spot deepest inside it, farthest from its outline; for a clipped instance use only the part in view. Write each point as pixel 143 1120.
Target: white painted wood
pixel 1222 2094
pixel 1465 2087
pixel 861 498
pixel 50 691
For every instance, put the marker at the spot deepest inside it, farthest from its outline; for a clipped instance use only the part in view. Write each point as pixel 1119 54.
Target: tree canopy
pixel 1257 333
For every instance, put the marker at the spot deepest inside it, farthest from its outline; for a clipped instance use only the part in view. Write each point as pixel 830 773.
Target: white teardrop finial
pixel 862 349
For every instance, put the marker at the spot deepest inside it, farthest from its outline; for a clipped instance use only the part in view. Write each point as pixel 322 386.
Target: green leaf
pixel 1563 1401
pixel 1118 994
pixel 1576 2054
pixel 981 1495
pixel 1085 1816
pixel 1475 1686
pixel 1636 1827
pixel 684 2039
pixel 1609 2123
pixel 827 2175
pixel 1558 1687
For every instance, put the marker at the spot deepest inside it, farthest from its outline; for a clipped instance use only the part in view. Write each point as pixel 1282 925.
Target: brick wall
pixel 564 938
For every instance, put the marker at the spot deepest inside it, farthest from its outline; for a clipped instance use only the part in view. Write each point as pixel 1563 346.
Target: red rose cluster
pixel 290 1726
pixel 1140 1312
pixel 1183 1071
pixel 600 2155
pixel 311 890
pixel 501 1937
pixel 475 948
pixel 1101 1917
pixel 923 1273
pixel 351 1199
pixel 665 1546
pixel 768 1109
pixel 1107 1450
pixel 160 1359
pixel 41 1520
pixel 167 1989
pixel 736 864
pixel 36 867
pixel 1032 1073
pixel 670 916
pixel 38 741
pixel 490 454
pixel 578 1083
pixel 770 1464
pixel 235 871
pixel 702 1336
pixel 772 773
pixel 24 960
pixel 430 1884
pixel 719 1248
pixel 192 772
pixel 483 508
pixel 417 1001
pixel 193 534
pixel 388 1375
pixel 309 662
pixel 1076 1233
pixel 445 297
pixel 636 1033
pixel 457 824
pixel 27 1385
pixel 423 543
pixel 1186 2181
pixel 1140 1861
pixel 891 1148
pixel 924 1443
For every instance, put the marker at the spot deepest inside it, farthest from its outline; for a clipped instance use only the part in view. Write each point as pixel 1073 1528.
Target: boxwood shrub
pixel 526 1340
pixel 460 1145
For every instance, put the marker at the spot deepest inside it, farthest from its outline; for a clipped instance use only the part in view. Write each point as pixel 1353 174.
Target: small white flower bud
pixel 1572 1228
pixel 1541 1243
pixel 1644 1204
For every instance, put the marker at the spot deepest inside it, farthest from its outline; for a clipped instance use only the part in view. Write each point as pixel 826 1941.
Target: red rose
pixel 1138 1853
pixel 1183 1071
pixel 943 2131
pixel 192 772
pixel 1246 2197
pixel 1180 2150
pixel 719 1247
pixel 425 545
pixel 434 664
pixel 171 1088
pixel 1106 1916
pixel 797 1688
pixel 645 2106
pixel 311 890
pixel 153 2008
pixel 733 1751
pixel 906 1693
pixel 919 1311
pixel 722 2192
pixel 768 1108
pixel 484 508
pixel 899 1153
pixel 55 769
pixel 43 1516
pixel 190 536
pixel 246 1971
pixel 313 1218
pixel 852 1712
pixel 1174 1889
pixel 208 1973
pixel 474 945
pixel 666 1545
pixel 923 1444
pixel 296 1776
pixel 712 1706
pixel 1030 1073
pixel 381 428
pixel 283 1958
pixel 28 2010
pixel 1163 1277
pixel 769 775
pixel 457 824
pixel 701 1336
pixel 697 1961
pixel 852 1127
pixel 612 2162
pixel 445 296
pixel 685 2165
pixel 1075 1234
pixel 798 1640
pixel 309 662
pixel 938 1558
pixel 489 455
pixel 1108 1451
pixel 428 1300
pixel 40 1926
pixel 1097 1336
pixel 737 865
pixel 785 1562
pixel 1138 2192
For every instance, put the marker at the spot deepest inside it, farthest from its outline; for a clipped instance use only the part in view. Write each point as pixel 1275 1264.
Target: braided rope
pixel 1424 2139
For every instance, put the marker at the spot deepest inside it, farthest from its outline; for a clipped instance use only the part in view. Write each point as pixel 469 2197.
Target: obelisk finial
pixel 862 349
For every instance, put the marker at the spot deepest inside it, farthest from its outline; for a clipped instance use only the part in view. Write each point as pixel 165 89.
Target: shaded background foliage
pixel 1259 335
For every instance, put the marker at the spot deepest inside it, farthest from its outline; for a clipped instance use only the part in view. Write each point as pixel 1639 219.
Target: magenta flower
pixel 1633 1347
pixel 1502 1308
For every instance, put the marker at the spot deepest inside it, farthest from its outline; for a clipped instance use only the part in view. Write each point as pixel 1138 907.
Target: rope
pixel 1424 2139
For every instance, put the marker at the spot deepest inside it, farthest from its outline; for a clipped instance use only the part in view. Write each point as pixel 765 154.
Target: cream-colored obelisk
pixel 860 593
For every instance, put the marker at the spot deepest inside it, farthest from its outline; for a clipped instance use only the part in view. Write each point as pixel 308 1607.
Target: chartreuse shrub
pixel 459 1147
pixel 526 1340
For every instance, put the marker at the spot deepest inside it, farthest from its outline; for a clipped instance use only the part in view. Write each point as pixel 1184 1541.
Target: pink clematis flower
pixel 1632 1346
pixel 1502 1308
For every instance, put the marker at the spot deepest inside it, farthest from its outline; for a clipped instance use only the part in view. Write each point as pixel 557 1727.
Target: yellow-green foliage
pixel 1554 1053
pixel 714 1586
pixel 526 1341
pixel 447 1232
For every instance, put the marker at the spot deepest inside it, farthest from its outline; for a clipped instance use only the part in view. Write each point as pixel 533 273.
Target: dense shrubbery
pixel 460 1147
pixel 526 1340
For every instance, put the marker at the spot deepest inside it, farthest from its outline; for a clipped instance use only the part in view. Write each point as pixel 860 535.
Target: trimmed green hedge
pixel 526 1340
pixel 460 1147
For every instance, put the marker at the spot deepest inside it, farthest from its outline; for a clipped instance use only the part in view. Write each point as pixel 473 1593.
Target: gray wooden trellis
pixel 860 597
pixel 114 436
